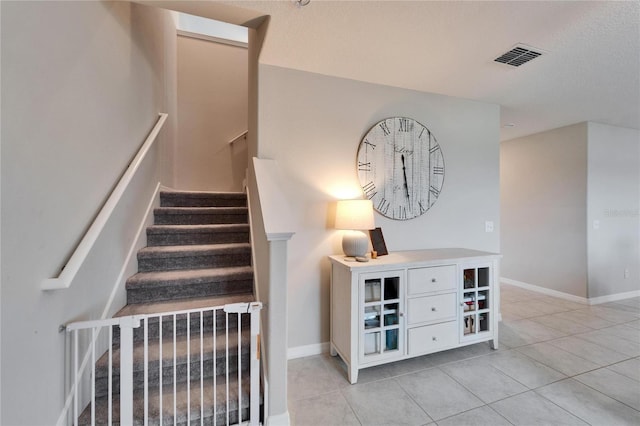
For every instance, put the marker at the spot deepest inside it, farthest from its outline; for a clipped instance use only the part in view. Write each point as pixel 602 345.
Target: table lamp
pixel 355 216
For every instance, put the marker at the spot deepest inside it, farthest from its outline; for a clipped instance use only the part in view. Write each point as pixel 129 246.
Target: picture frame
pixel 377 241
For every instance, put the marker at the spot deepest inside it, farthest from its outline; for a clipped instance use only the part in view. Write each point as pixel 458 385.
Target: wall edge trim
pixel 307 350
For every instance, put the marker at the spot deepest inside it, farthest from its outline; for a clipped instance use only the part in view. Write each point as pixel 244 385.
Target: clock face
pixel 401 168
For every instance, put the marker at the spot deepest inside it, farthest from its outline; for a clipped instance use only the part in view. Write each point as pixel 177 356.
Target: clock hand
pixel 404 172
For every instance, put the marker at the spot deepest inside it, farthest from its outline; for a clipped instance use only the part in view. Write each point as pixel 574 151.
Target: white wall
pixel 82 84
pixel 544 189
pixel 614 202
pixel 312 126
pixel 212 110
pixel 570 210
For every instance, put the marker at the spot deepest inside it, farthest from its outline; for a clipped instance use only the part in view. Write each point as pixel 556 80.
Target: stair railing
pixel 71 268
pixel 242 135
pixel 161 400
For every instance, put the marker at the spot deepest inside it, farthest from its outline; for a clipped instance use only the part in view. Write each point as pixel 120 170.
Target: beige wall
pixel 312 126
pixel 543 189
pixel 613 201
pixel 570 202
pixel 212 110
pixel 82 85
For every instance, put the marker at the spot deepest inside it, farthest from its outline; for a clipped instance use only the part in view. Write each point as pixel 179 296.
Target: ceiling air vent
pixel 519 54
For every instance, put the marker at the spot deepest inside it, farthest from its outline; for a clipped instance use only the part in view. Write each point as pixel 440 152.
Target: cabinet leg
pixel 332 350
pixel 353 374
pixel 494 344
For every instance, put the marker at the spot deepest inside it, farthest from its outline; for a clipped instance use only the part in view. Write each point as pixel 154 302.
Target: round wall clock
pixel 400 167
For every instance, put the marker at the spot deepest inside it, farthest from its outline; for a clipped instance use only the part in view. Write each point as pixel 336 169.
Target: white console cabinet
pixel 412 303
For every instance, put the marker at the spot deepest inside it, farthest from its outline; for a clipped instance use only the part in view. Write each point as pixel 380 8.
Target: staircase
pixel 198 255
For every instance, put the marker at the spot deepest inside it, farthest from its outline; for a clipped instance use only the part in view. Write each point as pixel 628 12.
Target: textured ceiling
pixel 591 71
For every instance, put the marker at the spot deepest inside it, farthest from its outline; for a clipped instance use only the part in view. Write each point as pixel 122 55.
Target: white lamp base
pixel 355 243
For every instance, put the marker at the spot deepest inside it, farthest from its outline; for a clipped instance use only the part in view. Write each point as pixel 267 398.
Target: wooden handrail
pixel 240 136
pixel 79 255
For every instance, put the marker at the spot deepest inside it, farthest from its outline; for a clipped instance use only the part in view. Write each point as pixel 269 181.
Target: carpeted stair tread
pixel 193 250
pixel 217 399
pixel 183 305
pixel 194 229
pixel 202 199
pixel 191 276
pixel 201 210
pixel 171 235
pixel 202 194
pixel 171 307
pixel 197 256
pixel 188 283
pixel 181 350
pixel 200 215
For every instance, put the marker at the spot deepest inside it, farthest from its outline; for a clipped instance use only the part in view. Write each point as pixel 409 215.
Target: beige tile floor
pixel 559 363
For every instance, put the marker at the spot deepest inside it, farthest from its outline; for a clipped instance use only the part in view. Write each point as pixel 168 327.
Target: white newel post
pixel 277 229
pixel 254 413
pixel 277 340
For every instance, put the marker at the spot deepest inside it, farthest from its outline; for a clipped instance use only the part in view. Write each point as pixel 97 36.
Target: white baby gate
pixel 215 396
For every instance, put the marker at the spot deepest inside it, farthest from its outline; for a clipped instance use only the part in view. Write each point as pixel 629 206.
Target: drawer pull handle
pixel 433 280
pixel 434 338
pixel 433 309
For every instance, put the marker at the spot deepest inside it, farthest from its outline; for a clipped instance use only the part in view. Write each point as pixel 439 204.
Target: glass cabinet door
pixel 381 316
pixel 475 302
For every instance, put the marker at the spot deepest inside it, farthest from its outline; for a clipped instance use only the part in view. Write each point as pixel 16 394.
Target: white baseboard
pixel 571 297
pixel 279 420
pixel 614 297
pixel 544 290
pixel 307 350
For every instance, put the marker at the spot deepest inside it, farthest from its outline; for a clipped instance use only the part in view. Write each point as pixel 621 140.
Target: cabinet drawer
pixel 437 278
pixel 431 308
pixel 432 338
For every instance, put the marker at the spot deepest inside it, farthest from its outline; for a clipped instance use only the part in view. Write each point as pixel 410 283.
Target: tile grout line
pixel 602 393
pixel 562 408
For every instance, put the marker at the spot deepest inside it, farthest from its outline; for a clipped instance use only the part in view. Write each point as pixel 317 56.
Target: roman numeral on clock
pixel 365 167
pixel 369 190
pixel 402 212
pixel 383 206
pixel 405 125
pixel 434 191
pixel 437 170
pixel 385 128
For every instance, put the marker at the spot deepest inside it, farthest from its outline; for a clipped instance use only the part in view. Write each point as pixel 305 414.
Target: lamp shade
pixel 354 215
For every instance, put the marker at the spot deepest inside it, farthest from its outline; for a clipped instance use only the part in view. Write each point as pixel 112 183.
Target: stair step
pixel 183 346
pixel 199 215
pixel 165 258
pixel 181 319
pixel 183 284
pixel 217 399
pixel 202 199
pixel 183 304
pixel 171 235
